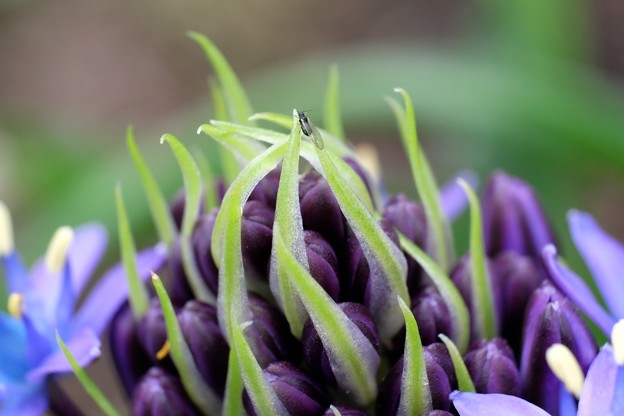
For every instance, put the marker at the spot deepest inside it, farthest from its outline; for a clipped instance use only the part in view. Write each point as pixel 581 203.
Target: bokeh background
pixel 530 86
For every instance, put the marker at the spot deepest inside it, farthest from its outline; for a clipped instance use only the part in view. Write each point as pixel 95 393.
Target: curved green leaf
pixel 230 166
pixel 199 392
pixel 192 193
pixel 211 199
pixel 460 316
pixel 139 301
pixel 353 359
pixel 233 397
pixel 481 286
pixel 241 147
pixel 415 390
pixel 439 241
pixel 86 382
pixel 157 203
pixel 463 376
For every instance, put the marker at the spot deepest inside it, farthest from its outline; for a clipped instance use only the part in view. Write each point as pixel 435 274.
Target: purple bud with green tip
pixel 152 334
pixel 161 394
pixel 299 393
pixel 202 246
pixel 323 263
pixel 266 190
pixel 492 367
pixel 256 238
pixel 200 328
pixel 314 353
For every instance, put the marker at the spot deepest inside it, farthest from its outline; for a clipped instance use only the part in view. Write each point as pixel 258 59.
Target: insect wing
pixel 316 137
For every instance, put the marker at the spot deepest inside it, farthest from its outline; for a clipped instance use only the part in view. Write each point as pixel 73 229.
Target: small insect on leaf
pixel 310 130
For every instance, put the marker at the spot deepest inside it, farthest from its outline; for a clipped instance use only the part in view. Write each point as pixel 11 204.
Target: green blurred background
pixel 530 86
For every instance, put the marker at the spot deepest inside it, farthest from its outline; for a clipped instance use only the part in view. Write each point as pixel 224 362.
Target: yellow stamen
pixel 368 157
pixel 617 340
pixel 565 366
pixel 6 231
pixel 57 249
pixel 164 351
pixel 15 305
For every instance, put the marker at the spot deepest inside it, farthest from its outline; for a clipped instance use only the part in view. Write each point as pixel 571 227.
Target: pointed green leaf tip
pixel 262 395
pixel 236 100
pixel 464 381
pixel 333 120
pixel 86 382
pixel 138 295
pixel 157 203
pixel 415 390
pixel 192 194
pixel 439 241
pixel 482 300
pixel 199 392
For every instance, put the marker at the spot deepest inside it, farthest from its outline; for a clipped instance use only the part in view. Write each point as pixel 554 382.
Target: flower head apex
pixel 42 301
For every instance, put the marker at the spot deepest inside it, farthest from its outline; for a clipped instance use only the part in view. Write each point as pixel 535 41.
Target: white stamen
pixel 368 157
pixel 15 305
pixel 6 231
pixel 335 410
pixel 57 249
pixel 565 366
pixel 617 340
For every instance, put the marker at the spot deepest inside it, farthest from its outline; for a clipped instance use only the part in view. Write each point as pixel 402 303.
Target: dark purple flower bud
pixel 355 286
pixel 513 219
pixel 323 263
pixel 152 334
pixel 201 331
pixel 269 334
pixel 180 290
pixel 432 315
pixel 344 411
pixel 358 169
pixel 126 350
pixel 516 277
pixel 266 190
pixel 161 394
pixel 551 318
pixel 492 367
pixel 437 413
pixel 313 351
pixel 256 238
pixel 408 217
pixel 320 211
pixel 441 375
pixel 178 205
pixel 202 245
pixel 297 391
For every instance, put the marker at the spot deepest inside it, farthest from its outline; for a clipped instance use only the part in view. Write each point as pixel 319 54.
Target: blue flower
pixel 42 301
pixel 604 257
pixel 602 392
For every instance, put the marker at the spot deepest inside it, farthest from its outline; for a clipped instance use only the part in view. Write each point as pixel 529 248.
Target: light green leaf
pixel 279 119
pixel 228 162
pixel 238 105
pixel 241 147
pixel 463 376
pixel 211 199
pixel 86 382
pixel 460 316
pixel 199 392
pixel 333 120
pixel 353 359
pixel 226 236
pixel 481 286
pixel 415 390
pixel 157 203
pixel 233 398
pixel 388 268
pixel 139 301
pixel 261 393
pixel 439 240
pixel 289 225
pixel 192 193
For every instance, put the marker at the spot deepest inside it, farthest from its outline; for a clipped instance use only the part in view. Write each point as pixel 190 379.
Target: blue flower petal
pixel 84 345
pixel 13 347
pixel 574 288
pixel 85 253
pixel 112 290
pixel 477 404
pixel 603 390
pixel 604 257
pixel 567 403
pixel 453 197
pixel 15 272
pixel 23 400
